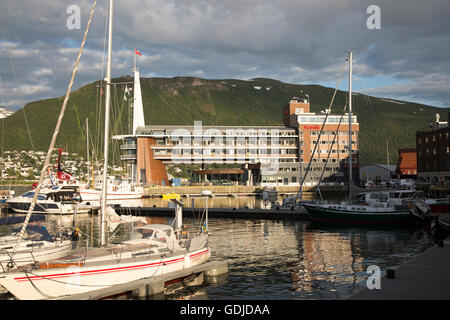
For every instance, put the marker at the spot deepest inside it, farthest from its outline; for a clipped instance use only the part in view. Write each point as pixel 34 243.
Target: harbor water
pixel 280 259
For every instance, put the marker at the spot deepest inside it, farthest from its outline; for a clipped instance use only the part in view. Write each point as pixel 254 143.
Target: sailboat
pixel 374 212
pixel 152 250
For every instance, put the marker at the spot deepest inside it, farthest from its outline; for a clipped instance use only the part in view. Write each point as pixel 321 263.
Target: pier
pixel 425 277
pixel 234 213
pixel 224 191
pixel 151 286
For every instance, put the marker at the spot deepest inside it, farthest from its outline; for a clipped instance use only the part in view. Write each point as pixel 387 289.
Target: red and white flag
pixel 137 52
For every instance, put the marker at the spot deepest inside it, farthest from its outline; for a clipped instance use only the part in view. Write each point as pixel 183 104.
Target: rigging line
pixel 329 152
pixel 3 127
pixel 100 84
pixel 320 133
pixel 35 287
pixel 55 134
pixel 13 68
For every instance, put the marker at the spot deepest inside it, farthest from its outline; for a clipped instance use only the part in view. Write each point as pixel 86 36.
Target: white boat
pixel 395 197
pixel 37 244
pixel 116 190
pixel 6 195
pixel 152 249
pixel 50 200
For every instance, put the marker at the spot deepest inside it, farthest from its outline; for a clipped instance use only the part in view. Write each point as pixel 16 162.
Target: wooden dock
pixel 425 277
pixel 234 213
pixel 147 287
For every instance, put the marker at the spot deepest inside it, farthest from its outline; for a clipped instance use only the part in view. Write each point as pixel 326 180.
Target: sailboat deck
pixel 109 255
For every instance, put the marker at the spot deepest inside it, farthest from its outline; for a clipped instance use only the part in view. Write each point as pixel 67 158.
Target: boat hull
pixel 43 208
pixel 94 195
pixel 320 214
pixel 51 283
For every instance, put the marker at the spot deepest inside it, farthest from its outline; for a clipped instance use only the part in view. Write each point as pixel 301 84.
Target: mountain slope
pixel 183 100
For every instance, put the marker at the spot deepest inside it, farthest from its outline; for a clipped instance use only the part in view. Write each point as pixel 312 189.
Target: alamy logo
pixel 74 19
pixel 374 279
pixel 374 20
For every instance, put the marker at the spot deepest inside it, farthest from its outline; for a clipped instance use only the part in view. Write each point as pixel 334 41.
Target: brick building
pixel 407 163
pixel 433 153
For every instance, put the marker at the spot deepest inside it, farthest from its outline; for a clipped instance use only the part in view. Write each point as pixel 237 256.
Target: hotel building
pixel 268 155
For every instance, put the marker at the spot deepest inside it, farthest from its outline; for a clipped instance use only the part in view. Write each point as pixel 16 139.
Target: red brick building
pixel 407 163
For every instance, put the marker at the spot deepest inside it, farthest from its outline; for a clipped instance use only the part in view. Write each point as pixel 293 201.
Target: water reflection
pixel 281 259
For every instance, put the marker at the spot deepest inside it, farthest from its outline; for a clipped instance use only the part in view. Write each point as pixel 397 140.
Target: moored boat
pixel 356 213
pixel 50 200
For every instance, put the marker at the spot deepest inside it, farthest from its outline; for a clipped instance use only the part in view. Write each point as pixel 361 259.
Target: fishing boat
pixel 374 209
pixel 151 250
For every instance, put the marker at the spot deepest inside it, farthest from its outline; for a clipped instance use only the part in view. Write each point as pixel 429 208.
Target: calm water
pixel 286 259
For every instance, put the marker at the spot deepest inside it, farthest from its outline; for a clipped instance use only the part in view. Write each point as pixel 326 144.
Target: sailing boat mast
pixel 87 151
pixel 350 158
pixel 107 107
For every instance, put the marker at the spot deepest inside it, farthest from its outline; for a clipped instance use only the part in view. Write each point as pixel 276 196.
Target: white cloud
pixel 292 41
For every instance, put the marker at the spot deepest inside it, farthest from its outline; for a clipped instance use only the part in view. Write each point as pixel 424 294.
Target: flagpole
pixel 134 55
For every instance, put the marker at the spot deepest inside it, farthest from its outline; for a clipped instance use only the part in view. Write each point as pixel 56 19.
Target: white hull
pixel 26 255
pixel 21 205
pixel 94 195
pixel 47 283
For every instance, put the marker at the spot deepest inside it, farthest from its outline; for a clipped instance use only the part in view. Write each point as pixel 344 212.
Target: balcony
pixel 125 157
pixel 128 146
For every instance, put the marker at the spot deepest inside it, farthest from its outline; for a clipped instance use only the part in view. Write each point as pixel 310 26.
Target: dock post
pixel 149 289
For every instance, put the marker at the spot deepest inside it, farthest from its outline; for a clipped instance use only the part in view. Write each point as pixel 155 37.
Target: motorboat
pixel 50 200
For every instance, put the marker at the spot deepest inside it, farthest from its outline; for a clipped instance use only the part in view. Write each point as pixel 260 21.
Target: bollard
pixel 390 273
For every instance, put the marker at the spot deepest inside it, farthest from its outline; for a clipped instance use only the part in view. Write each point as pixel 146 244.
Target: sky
pixel 405 57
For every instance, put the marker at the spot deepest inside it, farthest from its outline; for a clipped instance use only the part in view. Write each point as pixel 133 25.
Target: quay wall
pixel 158 191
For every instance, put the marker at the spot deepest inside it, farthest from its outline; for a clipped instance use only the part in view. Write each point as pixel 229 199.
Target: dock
pixel 147 287
pixel 425 277
pixel 234 213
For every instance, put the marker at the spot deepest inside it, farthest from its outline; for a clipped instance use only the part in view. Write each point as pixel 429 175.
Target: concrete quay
pixel 425 277
pixel 308 192
pixel 234 213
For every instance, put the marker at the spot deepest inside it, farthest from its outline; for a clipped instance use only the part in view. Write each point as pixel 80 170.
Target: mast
pixel 350 163
pixel 107 107
pixel 387 156
pixel 87 151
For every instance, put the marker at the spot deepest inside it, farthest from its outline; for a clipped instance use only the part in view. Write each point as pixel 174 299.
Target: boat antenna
pixel 55 134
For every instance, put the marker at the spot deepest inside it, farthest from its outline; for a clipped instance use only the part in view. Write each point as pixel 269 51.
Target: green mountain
pixel 182 100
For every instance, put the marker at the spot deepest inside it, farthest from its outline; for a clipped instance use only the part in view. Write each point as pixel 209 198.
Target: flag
pixel 137 52
pixel 204 227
